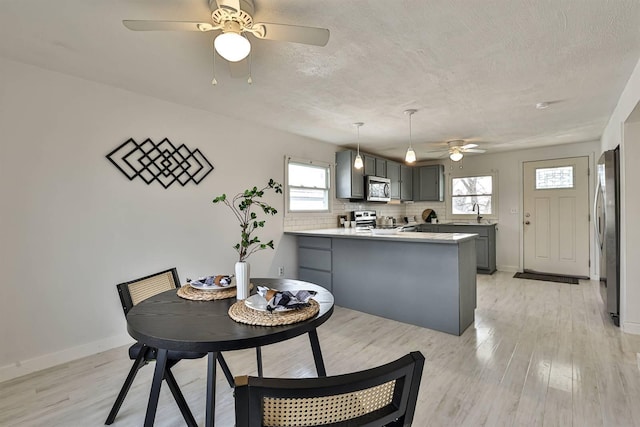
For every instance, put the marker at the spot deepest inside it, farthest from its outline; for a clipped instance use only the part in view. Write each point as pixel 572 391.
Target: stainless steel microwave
pixel 377 189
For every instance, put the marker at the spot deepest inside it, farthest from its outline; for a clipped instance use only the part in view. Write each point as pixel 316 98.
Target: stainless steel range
pixel 365 220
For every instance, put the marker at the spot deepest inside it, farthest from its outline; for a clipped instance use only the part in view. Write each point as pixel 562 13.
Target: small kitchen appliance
pixel 377 189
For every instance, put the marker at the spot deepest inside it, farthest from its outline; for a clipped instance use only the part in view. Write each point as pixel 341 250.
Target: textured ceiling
pixel 473 69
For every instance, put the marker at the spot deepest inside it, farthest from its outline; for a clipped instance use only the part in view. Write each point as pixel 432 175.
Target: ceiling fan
pixel 234 20
pixel 457 148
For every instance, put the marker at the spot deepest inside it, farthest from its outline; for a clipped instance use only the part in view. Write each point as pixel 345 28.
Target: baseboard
pixel 508 268
pixel 631 328
pixel 45 361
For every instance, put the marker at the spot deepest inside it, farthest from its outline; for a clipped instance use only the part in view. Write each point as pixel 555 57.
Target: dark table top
pixel 173 323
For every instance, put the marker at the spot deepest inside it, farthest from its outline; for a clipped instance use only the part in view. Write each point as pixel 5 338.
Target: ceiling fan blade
pixel 441 151
pixel 167 25
pixel 433 154
pixel 292 33
pixel 473 150
pixel 466 146
pixel 239 69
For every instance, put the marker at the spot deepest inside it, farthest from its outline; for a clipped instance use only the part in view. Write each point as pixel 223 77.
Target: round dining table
pixel 169 322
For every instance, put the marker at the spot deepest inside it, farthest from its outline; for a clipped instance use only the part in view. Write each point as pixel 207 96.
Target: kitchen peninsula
pixel 426 279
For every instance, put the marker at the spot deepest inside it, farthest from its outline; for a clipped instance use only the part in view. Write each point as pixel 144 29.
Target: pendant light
pixel 358 164
pixel 410 157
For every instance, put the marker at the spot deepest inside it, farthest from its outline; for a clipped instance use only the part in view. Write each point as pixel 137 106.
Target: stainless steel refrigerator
pixel 607 230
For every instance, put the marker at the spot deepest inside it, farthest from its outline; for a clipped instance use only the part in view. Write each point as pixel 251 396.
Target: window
pixel 554 178
pixel 470 191
pixel 307 186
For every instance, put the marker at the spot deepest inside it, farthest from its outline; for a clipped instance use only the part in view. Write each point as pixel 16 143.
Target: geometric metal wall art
pixel 161 162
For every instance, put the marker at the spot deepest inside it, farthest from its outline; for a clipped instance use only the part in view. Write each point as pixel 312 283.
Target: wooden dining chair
pixel 132 293
pixel 381 396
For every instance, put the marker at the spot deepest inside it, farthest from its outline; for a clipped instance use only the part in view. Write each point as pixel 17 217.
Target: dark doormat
pixel 547 278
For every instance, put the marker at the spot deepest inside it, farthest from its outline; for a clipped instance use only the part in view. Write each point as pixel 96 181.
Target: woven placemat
pixel 189 292
pixel 243 314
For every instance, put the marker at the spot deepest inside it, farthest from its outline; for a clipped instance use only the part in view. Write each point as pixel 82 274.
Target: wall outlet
pixel 514 210
pixel 280 271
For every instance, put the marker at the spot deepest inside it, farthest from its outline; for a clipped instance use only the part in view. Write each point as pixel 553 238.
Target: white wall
pixel 628 137
pixel 508 166
pixel 630 270
pixel 72 226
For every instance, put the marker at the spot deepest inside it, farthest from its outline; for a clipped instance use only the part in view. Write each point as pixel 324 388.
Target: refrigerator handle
pixel 596 218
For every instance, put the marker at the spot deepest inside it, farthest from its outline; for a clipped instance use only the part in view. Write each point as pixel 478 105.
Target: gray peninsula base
pixel 426 283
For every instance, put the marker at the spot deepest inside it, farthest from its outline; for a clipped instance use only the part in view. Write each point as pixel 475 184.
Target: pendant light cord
pixel 410 138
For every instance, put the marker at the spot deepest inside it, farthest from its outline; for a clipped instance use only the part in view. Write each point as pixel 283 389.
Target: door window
pixel 554 178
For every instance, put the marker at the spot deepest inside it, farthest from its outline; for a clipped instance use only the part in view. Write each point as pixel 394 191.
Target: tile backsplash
pixel 311 221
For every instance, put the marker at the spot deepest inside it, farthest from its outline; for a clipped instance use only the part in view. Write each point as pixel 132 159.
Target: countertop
pixel 405 236
pixel 464 223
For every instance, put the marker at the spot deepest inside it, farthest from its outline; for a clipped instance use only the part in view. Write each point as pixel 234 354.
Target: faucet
pixel 473 209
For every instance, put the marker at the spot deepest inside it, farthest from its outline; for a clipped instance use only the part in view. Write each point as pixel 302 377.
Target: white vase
pixel 242 280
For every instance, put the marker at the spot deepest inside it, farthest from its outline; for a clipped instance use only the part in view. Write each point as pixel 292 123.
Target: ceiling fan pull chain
pixel 214 81
pixel 250 80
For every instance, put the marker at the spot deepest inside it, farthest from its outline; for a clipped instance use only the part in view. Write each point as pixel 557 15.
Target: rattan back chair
pixel 135 291
pixel 132 293
pixel 381 396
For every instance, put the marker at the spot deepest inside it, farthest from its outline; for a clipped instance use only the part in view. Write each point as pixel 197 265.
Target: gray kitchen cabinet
pixel 369 165
pixel 406 182
pixel 428 228
pixel 349 180
pixel 381 167
pixel 485 242
pixel 437 287
pixel 428 183
pixel 314 261
pixel 393 173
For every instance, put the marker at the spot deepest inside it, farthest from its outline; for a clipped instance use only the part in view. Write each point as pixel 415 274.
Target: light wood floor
pixel 540 353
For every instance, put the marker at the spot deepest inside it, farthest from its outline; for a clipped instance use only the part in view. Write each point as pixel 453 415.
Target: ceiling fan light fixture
pixel 232 46
pixel 456 155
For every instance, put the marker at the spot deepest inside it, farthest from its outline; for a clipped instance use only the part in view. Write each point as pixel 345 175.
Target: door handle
pixel 527 222
pixel 596 217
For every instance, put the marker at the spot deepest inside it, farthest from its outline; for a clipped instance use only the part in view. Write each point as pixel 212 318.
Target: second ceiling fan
pixel 457 148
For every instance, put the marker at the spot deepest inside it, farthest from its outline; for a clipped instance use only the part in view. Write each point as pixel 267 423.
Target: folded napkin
pixel 221 281
pixel 285 300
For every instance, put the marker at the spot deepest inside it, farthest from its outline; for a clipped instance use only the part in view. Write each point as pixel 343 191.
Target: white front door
pixel 556 216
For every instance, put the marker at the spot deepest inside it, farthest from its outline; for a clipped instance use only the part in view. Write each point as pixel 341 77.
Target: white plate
pixel 214 287
pixel 257 302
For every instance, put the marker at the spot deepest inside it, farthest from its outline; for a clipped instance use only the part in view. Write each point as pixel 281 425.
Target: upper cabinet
pixel 428 183
pixel 393 173
pixel 369 165
pixel 349 180
pixel 425 183
pixel 406 183
pixel 381 168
